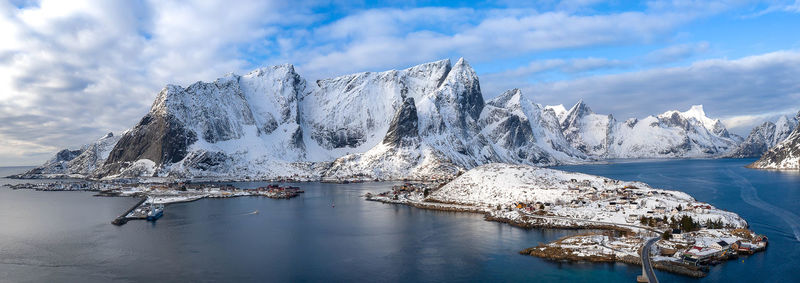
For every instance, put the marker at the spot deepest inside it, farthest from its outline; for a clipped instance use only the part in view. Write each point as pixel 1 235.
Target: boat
pixel 156 211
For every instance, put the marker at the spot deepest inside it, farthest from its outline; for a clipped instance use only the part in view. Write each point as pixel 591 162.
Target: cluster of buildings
pixel 406 189
pixel 275 191
pixel 63 186
pixel 707 250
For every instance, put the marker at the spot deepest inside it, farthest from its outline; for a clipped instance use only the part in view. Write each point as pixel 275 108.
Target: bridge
pixel 647 268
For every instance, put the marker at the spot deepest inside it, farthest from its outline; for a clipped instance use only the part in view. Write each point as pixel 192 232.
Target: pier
pixel 122 219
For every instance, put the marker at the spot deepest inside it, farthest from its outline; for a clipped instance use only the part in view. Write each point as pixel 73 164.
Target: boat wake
pixel 254 212
pixel 750 196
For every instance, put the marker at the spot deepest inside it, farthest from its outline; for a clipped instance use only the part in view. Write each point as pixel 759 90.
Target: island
pixel 675 232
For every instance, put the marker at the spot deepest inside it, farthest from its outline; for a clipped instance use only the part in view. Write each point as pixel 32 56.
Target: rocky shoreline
pixel 552 253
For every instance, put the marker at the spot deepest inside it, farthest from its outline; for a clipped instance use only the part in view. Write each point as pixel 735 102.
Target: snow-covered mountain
pixel 668 135
pixel 75 163
pixel 587 131
pixel 784 156
pixel 424 121
pixel 764 137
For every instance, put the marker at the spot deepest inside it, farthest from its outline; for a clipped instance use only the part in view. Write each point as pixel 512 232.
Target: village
pixel 693 234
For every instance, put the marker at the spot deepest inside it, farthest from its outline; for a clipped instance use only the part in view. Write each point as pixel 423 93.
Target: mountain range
pixel 427 121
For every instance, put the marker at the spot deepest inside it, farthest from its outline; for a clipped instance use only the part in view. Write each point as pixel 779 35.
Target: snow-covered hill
pixel 669 135
pixel 764 137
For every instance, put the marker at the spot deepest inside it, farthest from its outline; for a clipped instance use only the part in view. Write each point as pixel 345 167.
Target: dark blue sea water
pixel 67 236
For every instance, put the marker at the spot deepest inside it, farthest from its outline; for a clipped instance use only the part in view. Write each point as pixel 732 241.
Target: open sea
pixel 68 236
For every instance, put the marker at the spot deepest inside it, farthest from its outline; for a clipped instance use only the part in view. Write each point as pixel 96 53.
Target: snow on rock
pixel 559 111
pixel 668 135
pixel 76 163
pixel 764 137
pixel 587 131
pixel 783 156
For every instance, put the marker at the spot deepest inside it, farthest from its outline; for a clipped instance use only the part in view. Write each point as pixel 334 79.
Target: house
pixel 746 248
pixel 668 252
pixel 676 234
pixel 720 245
pixel 701 255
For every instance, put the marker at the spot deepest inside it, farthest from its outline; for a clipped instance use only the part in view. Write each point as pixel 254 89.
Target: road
pixel 647 267
pixel 589 221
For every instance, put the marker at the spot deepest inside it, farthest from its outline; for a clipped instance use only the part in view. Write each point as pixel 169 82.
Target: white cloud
pixel 379 39
pixel 676 52
pixel 71 71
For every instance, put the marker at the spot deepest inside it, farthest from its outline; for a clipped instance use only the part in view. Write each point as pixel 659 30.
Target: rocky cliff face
pixel 783 156
pixel 764 137
pixel 404 128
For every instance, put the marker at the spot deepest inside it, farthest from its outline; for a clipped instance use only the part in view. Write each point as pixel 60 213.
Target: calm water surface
pixel 67 236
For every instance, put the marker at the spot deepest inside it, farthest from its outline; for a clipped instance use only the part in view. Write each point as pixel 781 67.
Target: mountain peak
pixel 696 111
pixel 580 109
pixel 462 61
pixel 286 68
pixel 512 96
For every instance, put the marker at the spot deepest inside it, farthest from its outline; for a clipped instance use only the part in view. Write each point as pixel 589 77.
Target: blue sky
pixel 70 71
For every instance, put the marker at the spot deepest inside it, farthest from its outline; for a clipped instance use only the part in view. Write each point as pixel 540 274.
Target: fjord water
pixel 67 236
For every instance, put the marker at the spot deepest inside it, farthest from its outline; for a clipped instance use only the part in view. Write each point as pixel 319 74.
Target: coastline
pixel 555 252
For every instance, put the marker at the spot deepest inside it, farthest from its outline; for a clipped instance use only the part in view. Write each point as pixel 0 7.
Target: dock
pixel 122 219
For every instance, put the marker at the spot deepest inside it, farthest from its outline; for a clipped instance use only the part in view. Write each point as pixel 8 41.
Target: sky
pixel 71 71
